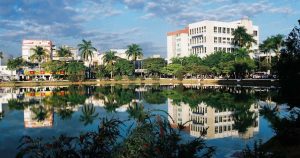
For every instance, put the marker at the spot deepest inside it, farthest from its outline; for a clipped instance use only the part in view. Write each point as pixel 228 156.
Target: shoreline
pixel 162 81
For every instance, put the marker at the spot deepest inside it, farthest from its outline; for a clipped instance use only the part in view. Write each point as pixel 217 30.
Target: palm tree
pixel 86 49
pixel 276 43
pixel 88 114
pixel 134 51
pixel 1 57
pixel 136 111
pixel 64 52
pixel 39 54
pixel 242 39
pixel 109 59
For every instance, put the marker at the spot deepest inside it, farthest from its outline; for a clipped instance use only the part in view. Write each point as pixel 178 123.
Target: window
pixel 216 129
pixel 204 49
pixel 228 50
pixel 255 33
pixel 215 49
pixel 232 30
pixel 219 29
pixel 215 29
pixel 220 40
pixel 224 30
pixel 228 30
pixel 228 41
pixel 224 40
pixel 215 39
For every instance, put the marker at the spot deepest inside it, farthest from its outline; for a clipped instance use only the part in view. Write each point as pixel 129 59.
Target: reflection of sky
pixel 12 129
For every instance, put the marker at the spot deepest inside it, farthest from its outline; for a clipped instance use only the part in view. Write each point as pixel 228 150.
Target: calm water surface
pixel 230 114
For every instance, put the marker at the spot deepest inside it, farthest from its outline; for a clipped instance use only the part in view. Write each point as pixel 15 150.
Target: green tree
pixel 242 39
pixel 39 54
pixel 109 59
pixel 64 52
pixel 15 64
pixel 154 66
pixel 171 69
pixel 76 71
pixel 124 67
pixel 86 49
pixel 134 51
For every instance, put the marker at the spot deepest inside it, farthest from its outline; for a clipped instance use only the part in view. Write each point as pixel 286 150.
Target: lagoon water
pixel 229 114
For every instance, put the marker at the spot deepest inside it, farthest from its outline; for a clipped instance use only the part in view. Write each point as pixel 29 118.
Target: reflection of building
pixel 31 122
pixel 219 124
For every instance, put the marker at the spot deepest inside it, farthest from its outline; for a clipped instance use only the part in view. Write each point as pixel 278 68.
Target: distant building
pixel 27 46
pixel 206 37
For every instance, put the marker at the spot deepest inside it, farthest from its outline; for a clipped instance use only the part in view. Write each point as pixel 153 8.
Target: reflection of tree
pixel 136 111
pixel 88 114
pixel 243 118
pixel 115 96
pixel 40 112
pixel 65 114
pixel 2 115
pixel 154 96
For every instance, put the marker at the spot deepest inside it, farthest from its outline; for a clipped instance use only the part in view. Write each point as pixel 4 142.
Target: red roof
pixel 186 30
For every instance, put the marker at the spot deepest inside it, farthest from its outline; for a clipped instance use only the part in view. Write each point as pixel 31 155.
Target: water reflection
pixel 220 111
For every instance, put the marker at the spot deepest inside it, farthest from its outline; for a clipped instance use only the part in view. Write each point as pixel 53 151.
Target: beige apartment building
pixel 27 46
pixel 206 37
pixel 178 44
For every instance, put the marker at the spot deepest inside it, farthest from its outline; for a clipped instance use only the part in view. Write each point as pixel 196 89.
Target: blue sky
pixel 118 23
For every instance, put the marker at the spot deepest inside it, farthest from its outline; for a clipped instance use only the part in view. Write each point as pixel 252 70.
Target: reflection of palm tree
pixel 136 111
pixel 65 114
pixel 88 114
pixel 243 118
pixel 40 113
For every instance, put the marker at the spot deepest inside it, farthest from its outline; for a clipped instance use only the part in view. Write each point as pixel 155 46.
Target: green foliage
pixel 242 39
pixel 171 69
pixel 151 139
pixel 273 43
pixel 154 65
pixel 124 67
pixel 64 52
pixel 118 77
pixel 76 71
pixel 134 51
pixel 101 72
pixel 86 49
pixel 88 114
pixel 39 54
pixel 15 64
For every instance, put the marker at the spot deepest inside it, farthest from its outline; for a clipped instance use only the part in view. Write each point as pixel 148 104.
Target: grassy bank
pixel 146 81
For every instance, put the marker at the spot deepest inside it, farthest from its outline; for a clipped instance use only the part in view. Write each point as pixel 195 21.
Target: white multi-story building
pixel 206 37
pixel 27 46
pixel 178 44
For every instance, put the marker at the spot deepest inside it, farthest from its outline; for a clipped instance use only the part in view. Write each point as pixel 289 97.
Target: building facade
pixel 178 44
pixel 206 37
pixel 28 45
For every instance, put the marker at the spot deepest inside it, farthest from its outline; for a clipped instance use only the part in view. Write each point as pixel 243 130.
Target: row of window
pixel 223 40
pixel 228 50
pixel 198 119
pixel 197 50
pixel 197 40
pixel 223 30
pixel 197 30
pixel 223 119
pixel 197 128
pixel 220 129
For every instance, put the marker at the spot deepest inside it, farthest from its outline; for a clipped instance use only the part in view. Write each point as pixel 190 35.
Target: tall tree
pixel 134 51
pixel 64 52
pixel 273 43
pixel 109 59
pixel 39 55
pixel 86 49
pixel 242 39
